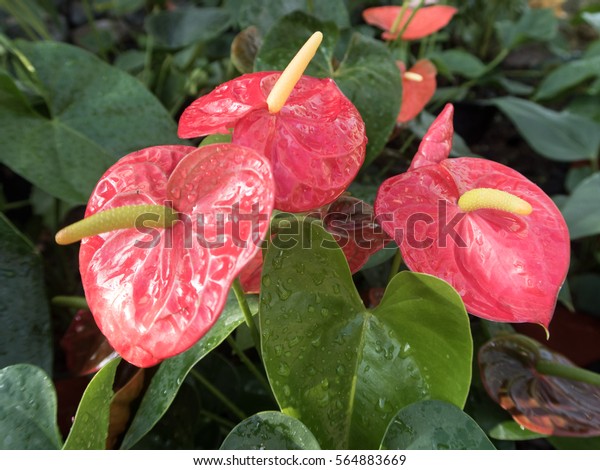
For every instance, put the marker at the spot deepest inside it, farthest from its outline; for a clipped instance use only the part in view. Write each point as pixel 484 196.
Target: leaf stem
pixel 218 394
pixel 397 21
pixel 568 372
pixel 248 363
pixel 243 303
pixel 71 301
pixel 396 262
pixel 218 419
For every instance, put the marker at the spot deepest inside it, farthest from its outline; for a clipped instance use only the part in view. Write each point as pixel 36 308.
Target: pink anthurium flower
pixel 426 20
pixel 418 87
pixel 316 140
pixel 495 236
pixel 155 291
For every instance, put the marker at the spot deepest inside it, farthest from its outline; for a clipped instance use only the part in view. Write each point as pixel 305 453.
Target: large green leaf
pixel 556 135
pixel 582 209
pixel 460 62
pixel 27 409
pixel 511 431
pixel 367 75
pixel 567 76
pixel 185 26
pixel 94 115
pixel 341 369
pixel 265 13
pixel 270 430
pixel 170 375
pixel 533 25
pixel 90 428
pixel 25 335
pixel 434 425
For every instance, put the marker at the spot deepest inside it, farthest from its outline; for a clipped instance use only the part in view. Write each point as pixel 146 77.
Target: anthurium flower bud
pixel 504 247
pixel 155 291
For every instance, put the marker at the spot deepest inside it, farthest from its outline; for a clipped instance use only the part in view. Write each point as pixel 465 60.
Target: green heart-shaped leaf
pixel 511 431
pixel 581 210
pixel 171 373
pixel 25 335
pixel 27 409
pixel 265 13
pixel 560 136
pixel 367 75
pixel 90 428
pixel 434 425
pixel 270 430
pixel 184 26
pixel 342 369
pixel 94 114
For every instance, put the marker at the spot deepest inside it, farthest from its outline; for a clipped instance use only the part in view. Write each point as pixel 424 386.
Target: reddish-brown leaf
pixel 541 403
pixel 86 348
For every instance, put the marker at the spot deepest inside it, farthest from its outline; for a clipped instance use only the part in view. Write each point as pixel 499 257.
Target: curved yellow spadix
pixel 149 215
pixel 489 198
pixel 289 77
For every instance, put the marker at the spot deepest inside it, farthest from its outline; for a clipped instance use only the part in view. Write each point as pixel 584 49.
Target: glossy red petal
pixel 426 21
pixel 316 143
pixel 415 94
pixel 506 267
pixel 437 141
pixel 154 294
pixel 219 110
pixel 250 275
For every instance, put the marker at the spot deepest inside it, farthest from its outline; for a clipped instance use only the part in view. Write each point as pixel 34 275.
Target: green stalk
pixel 243 303
pixel 555 369
pixel 248 363
pixel 28 20
pixel 218 394
pixel 219 419
pixel 70 301
pixel 396 262
pixel 89 15
pixel 397 22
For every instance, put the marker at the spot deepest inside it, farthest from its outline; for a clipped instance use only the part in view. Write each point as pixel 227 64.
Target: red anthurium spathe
pixel 426 20
pixel 418 87
pixel 316 142
pixel 154 292
pixel 495 236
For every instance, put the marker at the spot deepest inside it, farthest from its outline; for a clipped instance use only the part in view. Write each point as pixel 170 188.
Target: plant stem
pixel 71 301
pixel 248 363
pixel 412 14
pixel 89 14
pixel 219 419
pixel 218 394
pixel 568 372
pixel 396 262
pixel 243 303
pixel 9 206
